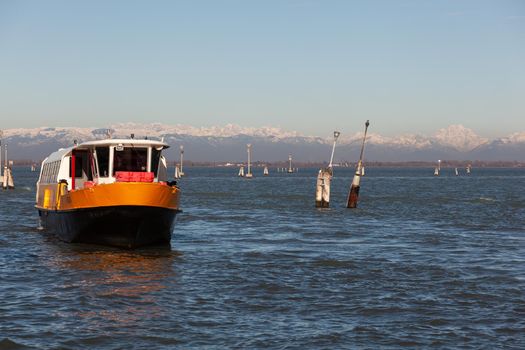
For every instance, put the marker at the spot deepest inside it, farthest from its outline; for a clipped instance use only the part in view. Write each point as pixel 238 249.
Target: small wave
pixel 7 343
pixel 334 263
pixel 487 199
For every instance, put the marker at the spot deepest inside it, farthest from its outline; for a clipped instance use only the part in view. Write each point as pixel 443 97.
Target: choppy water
pixel 423 262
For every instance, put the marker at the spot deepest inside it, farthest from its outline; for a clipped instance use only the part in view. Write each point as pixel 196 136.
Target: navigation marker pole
pixel 1 176
pixel 181 172
pixel 177 171
pixel 353 195
pixel 322 189
pixel 8 182
pixel 249 174
pixel 6 173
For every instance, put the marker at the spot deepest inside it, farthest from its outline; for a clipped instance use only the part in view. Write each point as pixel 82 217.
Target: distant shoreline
pixel 411 164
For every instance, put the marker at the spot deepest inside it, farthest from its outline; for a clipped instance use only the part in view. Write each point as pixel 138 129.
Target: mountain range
pixel 228 143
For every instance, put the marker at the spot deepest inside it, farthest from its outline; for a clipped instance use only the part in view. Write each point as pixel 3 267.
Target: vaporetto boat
pixel 112 192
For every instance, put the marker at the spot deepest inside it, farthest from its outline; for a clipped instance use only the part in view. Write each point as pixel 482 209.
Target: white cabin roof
pixel 58 155
pixel 62 152
pixel 123 142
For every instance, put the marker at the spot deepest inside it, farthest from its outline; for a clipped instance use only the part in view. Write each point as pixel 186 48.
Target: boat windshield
pixel 103 160
pixel 130 159
pixel 155 158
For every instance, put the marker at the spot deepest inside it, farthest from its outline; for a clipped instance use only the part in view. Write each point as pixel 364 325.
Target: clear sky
pixel 410 66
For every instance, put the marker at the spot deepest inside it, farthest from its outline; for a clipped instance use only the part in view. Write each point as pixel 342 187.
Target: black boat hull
pixel 120 226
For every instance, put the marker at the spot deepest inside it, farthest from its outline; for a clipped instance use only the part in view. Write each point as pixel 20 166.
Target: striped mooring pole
pixel 353 195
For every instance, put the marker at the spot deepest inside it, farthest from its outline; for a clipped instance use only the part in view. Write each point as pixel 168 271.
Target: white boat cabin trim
pixel 98 161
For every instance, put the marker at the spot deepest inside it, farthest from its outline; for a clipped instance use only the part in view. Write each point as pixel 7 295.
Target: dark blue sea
pixel 423 262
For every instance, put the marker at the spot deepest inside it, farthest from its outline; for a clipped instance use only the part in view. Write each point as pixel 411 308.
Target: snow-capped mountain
pixel 459 137
pixel 227 143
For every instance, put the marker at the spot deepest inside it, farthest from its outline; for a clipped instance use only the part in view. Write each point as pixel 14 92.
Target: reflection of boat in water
pixel 110 192
pixel 145 274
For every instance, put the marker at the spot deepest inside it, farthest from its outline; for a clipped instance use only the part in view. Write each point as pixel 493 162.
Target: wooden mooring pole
pixel 353 195
pixel 322 189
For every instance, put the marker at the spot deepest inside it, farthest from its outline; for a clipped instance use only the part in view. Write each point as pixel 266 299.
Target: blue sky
pixel 410 66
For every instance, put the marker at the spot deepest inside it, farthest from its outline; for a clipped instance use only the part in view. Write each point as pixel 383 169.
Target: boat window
pixel 81 164
pixel 130 159
pixel 44 173
pixel 50 172
pixel 103 161
pixel 155 158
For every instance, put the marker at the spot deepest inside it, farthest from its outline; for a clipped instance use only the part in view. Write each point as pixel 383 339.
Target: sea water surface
pixel 423 262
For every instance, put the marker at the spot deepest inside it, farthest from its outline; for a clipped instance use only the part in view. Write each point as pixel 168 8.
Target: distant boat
pixel 177 172
pixel 468 169
pixel 265 171
pixel 290 169
pixel 241 171
pixel 436 171
pixel 362 171
pixel 33 168
pixel 456 170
